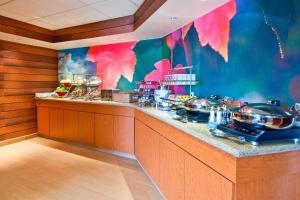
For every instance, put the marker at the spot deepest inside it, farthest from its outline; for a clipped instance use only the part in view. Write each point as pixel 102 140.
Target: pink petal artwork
pixel 185 30
pixel 214 28
pixel 113 61
pixel 173 38
pixel 162 69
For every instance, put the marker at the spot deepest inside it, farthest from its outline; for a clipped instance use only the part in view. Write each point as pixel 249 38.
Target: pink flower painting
pixel 185 30
pixel 113 61
pixel 213 28
pixel 173 38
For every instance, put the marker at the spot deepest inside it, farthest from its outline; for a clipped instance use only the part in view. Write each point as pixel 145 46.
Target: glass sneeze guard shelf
pixel 186 79
pixel 180 68
pixel 180 82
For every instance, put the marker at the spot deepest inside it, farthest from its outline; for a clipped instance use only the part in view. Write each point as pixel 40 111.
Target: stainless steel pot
pixel 262 115
pixel 201 105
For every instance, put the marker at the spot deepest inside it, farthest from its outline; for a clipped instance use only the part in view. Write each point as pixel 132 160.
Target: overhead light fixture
pixel 173 18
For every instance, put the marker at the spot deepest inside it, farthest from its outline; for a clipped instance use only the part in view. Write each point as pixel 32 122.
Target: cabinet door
pixel 171 170
pixel 202 183
pixel 43 120
pixel 124 134
pixel 86 128
pixel 104 131
pixel 70 125
pixel 147 149
pixel 56 123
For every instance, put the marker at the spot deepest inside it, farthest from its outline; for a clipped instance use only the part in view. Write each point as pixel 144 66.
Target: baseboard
pixel 152 181
pixel 116 153
pixel 17 139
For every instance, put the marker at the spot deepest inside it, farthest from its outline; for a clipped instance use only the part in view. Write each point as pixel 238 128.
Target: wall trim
pixel 119 25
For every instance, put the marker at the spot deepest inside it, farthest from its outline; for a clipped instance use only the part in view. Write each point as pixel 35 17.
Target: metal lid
pixel 265 110
pixel 201 103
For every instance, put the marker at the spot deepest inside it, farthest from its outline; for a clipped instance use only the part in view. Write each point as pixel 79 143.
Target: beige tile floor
pixel 42 169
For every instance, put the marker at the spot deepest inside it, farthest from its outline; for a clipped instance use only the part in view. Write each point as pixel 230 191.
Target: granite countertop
pixel 200 131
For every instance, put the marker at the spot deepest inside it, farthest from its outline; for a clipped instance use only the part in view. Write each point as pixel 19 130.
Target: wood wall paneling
pixel 27 56
pixel 23 91
pixel 17 120
pixel 10 46
pixel 27 70
pixel 17 113
pixel 17 134
pixel 97 29
pixel 24 70
pixel 17 127
pixel 26 63
pixel 15 27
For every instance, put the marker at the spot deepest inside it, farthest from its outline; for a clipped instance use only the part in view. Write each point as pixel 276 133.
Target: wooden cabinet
pixel 183 167
pixel 86 128
pixel 124 134
pixel 147 149
pixel 202 183
pixel 56 123
pixel 43 120
pixel 171 170
pixel 104 131
pixel 70 131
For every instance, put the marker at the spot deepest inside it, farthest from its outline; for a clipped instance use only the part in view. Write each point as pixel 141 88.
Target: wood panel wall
pixel 24 70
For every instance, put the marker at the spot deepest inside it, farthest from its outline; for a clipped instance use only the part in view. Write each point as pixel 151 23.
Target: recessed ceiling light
pixel 173 18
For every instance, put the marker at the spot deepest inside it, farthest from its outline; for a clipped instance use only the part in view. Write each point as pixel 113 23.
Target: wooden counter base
pixel 181 166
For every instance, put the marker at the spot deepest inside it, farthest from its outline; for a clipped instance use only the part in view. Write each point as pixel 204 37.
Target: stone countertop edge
pixel 199 131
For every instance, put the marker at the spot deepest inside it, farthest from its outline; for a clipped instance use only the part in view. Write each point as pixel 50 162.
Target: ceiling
pixel 158 25
pixel 57 14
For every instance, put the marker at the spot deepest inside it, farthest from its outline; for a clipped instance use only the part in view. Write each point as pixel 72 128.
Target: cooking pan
pixel 264 116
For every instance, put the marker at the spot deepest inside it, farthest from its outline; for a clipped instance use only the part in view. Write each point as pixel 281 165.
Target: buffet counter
pixel 178 157
pixel 197 130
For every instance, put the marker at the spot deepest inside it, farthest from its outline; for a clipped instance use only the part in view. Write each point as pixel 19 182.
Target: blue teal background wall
pixel 259 59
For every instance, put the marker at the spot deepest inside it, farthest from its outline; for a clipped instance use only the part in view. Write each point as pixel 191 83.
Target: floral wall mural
pixel 245 49
pixel 112 61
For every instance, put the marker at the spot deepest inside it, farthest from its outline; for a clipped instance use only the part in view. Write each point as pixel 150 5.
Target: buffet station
pixel 250 149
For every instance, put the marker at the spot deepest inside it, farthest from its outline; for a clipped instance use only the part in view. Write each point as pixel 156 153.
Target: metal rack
pixel 181 82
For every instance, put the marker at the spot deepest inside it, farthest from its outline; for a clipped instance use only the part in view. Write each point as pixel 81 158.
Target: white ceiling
pixel 57 14
pixel 158 25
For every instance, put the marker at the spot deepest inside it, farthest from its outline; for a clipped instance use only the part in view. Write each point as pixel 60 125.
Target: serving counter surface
pixel 197 130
